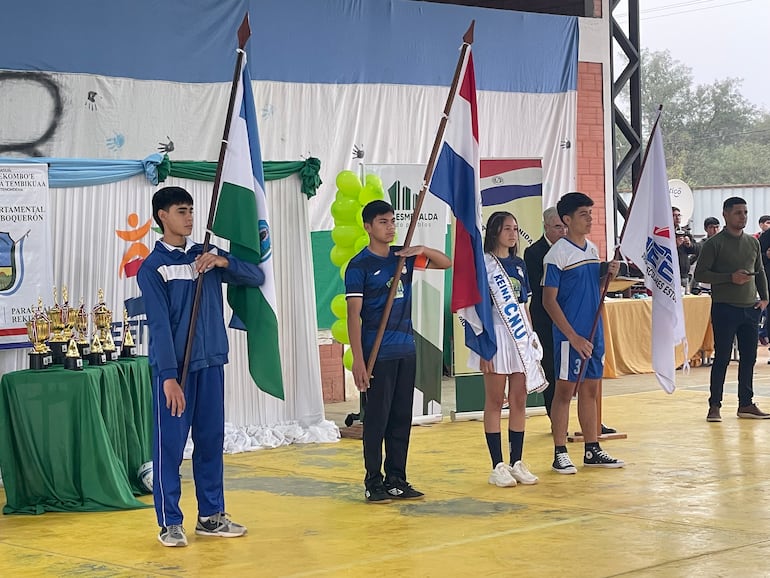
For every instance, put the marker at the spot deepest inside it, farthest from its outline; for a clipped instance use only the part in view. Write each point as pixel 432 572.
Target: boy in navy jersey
pixel 167 279
pixel 390 389
pixel 571 297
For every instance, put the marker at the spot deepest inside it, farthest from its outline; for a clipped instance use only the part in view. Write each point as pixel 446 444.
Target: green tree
pixel 713 134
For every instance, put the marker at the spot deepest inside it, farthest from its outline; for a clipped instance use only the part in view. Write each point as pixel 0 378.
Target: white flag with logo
pixel 649 242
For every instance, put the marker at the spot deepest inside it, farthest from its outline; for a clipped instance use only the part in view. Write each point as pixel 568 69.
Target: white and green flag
pixel 242 218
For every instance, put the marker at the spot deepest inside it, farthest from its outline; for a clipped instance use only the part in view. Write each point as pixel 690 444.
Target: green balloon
pixel 343 268
pixel 340 331
pixel 375 182
pixel 347 359
pixel 349 184
pixel 360 218
pixel 339 306
pixel 361 242
pixel 368 194
pixel 344 211
pixel 341 255
pixel 346 235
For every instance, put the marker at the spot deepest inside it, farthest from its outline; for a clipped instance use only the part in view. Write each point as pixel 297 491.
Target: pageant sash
pixel 517 323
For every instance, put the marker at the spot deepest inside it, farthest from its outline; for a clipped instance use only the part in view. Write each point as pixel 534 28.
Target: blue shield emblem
pixel 10 264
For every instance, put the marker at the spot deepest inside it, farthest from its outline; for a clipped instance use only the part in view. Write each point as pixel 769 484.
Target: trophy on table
pixel 38 330
pixel 128 348
pixel 72 359
pixel 59 316
pixel 81 327
pixel 97 356
pixel 103 321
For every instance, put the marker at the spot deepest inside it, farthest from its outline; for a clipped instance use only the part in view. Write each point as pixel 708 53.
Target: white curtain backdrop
pixel 395 123
pixel 87 253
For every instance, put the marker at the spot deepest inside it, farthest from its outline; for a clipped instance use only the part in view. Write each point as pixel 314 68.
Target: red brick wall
pixel 332 372
pixel 590 146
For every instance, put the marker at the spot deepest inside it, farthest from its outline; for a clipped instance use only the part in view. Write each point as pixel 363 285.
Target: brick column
pixel 590 146
pixel 332 372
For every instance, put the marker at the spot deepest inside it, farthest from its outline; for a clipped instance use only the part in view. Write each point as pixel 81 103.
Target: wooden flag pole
pixel 467 41
pixel 356 431
pixel 244 31
pixel 605 287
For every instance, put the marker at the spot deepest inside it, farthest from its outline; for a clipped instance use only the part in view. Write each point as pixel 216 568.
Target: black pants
pixel 545 334
pixel 729 322
pixel 388 417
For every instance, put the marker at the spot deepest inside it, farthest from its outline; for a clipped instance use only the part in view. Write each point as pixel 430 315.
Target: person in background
pixel 686 249
pixel 764 225
pixel 732 263
pixel 711 226
pixel 764 246
pixel 553 230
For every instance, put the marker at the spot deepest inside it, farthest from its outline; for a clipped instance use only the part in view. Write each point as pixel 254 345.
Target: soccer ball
pixel 144 474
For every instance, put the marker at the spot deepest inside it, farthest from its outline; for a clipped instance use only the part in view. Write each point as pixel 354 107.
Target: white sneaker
pixel 501 476
pixel 521 474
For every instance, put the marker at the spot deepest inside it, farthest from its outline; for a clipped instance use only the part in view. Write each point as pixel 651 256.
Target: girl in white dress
pixel 507 275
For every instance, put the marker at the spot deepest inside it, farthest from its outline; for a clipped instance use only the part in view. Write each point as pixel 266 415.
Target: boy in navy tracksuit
pixel 167 279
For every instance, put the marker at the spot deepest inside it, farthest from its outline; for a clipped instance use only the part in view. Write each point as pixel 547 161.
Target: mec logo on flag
pixel 660 262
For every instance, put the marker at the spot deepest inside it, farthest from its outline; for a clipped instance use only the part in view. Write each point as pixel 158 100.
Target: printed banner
pixel 26 264
pixel 402 184
pixel 516 186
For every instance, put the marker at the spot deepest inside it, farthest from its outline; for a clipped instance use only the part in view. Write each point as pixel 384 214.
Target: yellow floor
pixel 692 501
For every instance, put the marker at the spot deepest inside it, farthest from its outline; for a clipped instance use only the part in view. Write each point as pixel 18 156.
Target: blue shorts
pixel 566 362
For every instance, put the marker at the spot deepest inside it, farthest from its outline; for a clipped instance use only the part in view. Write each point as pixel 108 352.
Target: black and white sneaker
pixel 562 464
pixel 598 458
pixel 376 494
pixel 402 490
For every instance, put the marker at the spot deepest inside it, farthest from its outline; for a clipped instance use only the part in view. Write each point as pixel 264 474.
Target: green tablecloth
pixel 74 440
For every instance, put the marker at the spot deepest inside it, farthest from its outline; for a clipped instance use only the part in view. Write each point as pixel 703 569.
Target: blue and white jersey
pixel 575 272
pixel 369 276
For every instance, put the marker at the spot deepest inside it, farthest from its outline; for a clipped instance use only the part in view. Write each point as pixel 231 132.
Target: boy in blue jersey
pixel 571 296
pixel 167 279
pixel 390 389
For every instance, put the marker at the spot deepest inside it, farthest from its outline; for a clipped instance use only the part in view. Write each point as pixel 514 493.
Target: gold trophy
pixel 103 321
pixel 72 359
pixel 59 340
pixel 38 330
pixel 97 356
pixel 81 327
pixel 128 348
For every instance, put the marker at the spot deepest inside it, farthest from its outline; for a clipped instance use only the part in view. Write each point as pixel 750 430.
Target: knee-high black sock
pixel 494 444
pixel 515 445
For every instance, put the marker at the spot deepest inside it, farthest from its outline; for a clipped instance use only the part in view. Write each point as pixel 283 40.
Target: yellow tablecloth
pixel 628 333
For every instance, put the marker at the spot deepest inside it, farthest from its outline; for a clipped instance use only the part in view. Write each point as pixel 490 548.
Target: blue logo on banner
pixel 11 264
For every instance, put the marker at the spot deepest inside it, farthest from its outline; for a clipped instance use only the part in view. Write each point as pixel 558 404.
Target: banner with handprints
pixel 26 264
